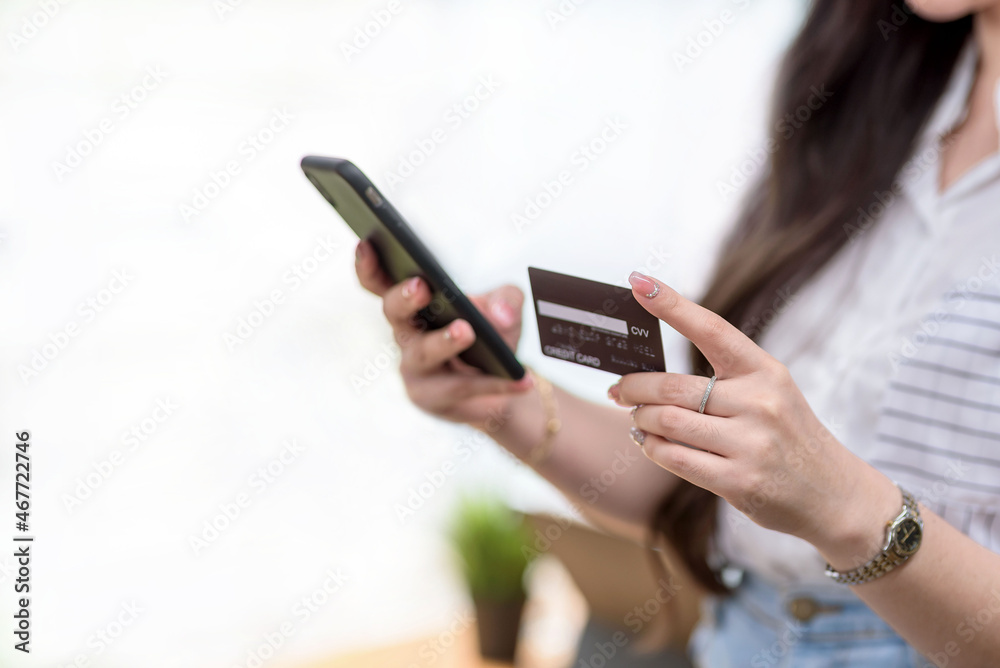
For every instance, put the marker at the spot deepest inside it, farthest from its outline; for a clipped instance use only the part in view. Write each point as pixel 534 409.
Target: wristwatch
pixel 902 540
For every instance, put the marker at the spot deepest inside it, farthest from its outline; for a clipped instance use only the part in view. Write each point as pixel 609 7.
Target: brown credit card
pixel 594 324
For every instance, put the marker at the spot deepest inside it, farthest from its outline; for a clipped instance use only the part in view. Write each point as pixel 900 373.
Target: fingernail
pixel 410 287
pixel 638 435
pixel 453 330
pixel 613 392
pixel 502 313
pixel 644 284
pixel 359 251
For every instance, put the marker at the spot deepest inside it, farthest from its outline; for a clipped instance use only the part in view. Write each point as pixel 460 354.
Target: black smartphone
pixel 402 255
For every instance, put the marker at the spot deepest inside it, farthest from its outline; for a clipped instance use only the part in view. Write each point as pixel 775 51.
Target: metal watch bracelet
pixel 903 535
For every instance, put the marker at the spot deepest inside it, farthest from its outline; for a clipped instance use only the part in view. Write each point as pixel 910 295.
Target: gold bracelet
pixel 541 452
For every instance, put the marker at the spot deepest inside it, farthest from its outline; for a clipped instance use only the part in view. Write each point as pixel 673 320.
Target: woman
pixel 858 290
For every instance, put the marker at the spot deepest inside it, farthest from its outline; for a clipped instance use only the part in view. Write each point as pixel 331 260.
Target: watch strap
pixel 886 560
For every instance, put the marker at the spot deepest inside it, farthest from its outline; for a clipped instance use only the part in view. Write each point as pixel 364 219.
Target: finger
pixel 706 432
pixel 370 273
pixel 440 393
pixel 727 349
pixel 676 389
pixel 401 302
pixel 429 351
pixel 703 469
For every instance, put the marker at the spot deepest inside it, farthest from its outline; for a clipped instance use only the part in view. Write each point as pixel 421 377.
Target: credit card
pixel 594 324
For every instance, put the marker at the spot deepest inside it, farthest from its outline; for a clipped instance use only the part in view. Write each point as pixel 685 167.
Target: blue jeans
pixel 754 628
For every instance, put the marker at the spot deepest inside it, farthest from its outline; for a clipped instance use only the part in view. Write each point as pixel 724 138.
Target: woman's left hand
pixel 758 444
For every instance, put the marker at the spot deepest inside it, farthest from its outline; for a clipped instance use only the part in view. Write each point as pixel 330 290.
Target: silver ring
pixel 632 413
pixel 708 391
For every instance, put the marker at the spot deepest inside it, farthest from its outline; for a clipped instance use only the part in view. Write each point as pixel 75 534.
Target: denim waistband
pixel 840 615
pixel 756 626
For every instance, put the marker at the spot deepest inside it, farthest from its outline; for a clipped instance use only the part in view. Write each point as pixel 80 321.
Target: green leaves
pixel 489 538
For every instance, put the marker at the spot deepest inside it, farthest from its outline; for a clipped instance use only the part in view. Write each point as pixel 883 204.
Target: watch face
pixel 907 536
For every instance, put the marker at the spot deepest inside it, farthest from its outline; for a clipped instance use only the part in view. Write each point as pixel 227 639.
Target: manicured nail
pixel 410 287
pixel 502 312
pixel 613 392
pixel 359 251
pixel 638 435
pixel 644 284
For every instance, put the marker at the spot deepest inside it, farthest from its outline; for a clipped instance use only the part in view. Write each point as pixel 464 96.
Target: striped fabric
pixel 938 432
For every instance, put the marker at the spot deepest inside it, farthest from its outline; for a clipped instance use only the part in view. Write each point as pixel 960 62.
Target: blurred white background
pixel 118 300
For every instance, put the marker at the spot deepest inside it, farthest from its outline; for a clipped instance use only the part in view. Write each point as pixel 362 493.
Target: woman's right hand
pixel 436 380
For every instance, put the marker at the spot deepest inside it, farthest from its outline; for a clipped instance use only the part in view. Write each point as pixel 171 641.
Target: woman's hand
pixel 758 444
pixel 436 380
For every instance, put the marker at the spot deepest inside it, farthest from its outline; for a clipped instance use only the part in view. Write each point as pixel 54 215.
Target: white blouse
pixel 896 346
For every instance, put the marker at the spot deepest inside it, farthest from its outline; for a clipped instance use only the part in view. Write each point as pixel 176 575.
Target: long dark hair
pixel 869 72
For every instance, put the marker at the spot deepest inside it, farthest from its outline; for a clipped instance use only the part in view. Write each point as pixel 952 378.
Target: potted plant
pixel 490 539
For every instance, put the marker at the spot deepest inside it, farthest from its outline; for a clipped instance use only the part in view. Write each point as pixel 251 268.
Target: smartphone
pixel 402 255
